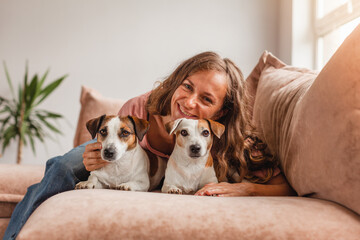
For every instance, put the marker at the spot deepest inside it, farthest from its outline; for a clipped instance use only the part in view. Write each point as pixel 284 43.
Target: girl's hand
pixel 225 189
pixel 277 186
pixel 92 157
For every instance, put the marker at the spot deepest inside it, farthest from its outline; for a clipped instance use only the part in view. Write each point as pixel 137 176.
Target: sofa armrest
pixel 14 181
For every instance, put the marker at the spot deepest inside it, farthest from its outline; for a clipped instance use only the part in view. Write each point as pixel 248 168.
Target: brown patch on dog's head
pixel 126 132
pixel 141 126
pixel 99 126
pixel 180 141
pixel 217 128
pixel 94 125
pixel 203 125
pixel 137 127
pixel 172 127
pixel 130 128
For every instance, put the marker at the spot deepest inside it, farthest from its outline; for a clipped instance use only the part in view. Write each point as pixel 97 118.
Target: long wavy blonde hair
pixel 232 154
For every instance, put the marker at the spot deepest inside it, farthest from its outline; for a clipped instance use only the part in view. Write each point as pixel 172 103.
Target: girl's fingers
pixel 210 189
pixel 93 147
pixel 199 193
pixel 227 195
pixel 95 154
pixel 209 184
pixel 202 191
pixel 215 191
pixel 93 160
pixel 95 166
pixel 225 190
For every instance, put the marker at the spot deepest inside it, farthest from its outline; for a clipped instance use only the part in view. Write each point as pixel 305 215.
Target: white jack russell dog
pixel 128 167
pixel 190 166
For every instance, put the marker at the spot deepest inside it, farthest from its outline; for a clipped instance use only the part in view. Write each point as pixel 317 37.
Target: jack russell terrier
pixel 190 166
pixel 128 167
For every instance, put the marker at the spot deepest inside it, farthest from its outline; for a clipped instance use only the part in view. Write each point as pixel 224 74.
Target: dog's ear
pixel 217 128
pixel 141 126
pixel 171 126
pixel 94 125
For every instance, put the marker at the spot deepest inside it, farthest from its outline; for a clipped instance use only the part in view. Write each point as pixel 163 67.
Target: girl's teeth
pixel 185 113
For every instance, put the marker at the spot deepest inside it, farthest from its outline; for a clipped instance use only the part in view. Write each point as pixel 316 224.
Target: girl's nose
pixel 191 101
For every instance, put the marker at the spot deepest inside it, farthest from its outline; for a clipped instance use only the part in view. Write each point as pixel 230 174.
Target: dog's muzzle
pixel 109 154
pixel 195 150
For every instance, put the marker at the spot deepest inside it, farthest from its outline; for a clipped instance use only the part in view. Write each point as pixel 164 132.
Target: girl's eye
pixel 208 100
pixel 187 86
pixel 184 133
pixel 205 133
pixel 103 132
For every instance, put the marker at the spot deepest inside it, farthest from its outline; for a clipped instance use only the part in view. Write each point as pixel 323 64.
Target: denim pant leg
pixel 61 174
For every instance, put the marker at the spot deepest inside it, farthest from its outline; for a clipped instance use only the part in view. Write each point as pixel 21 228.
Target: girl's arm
pixel 277 186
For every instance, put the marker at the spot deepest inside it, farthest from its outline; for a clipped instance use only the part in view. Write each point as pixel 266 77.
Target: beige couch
pixel 310 121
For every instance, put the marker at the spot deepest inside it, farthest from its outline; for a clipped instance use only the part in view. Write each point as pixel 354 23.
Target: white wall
pixel 285 31
pixel 121 47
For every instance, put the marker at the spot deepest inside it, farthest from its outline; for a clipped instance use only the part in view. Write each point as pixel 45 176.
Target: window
pixel 335 20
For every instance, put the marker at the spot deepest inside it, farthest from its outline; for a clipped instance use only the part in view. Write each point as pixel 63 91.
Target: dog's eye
pixel 184 133
pixel 125 133
pixel 103 132
pixel 205 133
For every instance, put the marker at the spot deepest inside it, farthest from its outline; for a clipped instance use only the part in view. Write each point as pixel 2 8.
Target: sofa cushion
pixel 312 123
pixel 4 222
pixel 93 104
pixel 111 214
pixel 6 208
pixel 14 181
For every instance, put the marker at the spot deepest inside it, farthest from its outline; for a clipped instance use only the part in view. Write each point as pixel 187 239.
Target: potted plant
pixel 20 117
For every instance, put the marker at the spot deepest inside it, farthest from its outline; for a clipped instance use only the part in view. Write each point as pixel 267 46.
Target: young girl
pixel 204 86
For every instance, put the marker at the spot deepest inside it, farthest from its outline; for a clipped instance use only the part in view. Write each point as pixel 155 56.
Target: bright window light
pixel 330 42
pixel 327 6
pixel 335 20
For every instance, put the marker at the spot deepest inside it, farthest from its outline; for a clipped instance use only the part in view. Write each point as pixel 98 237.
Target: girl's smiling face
pixel 200 95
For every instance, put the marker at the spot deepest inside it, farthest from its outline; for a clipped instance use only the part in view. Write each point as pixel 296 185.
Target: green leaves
pixel 20 118
pixel 9 80
pixel 44 93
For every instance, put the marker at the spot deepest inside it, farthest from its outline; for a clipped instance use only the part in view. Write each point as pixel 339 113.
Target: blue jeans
pixel 61 174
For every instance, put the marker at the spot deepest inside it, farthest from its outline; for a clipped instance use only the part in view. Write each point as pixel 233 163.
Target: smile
pixel 185 113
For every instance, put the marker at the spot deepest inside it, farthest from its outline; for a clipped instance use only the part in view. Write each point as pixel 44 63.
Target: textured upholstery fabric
pixel 6 209
pixel 111 214
pixel 14 181
pixel 312 122
pixel 93 104
pixel 3 224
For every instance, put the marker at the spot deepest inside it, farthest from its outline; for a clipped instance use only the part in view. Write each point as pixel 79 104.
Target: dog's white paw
pixel 175 190
pixel 85 185
pixel 123 187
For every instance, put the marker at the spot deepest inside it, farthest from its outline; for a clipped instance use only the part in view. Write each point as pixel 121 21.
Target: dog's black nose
pixel 109 152
pixel 195 148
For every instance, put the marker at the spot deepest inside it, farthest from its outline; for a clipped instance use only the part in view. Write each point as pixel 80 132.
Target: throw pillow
pixel 311 122
pixel 93 104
